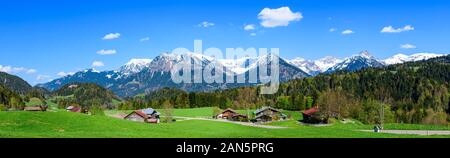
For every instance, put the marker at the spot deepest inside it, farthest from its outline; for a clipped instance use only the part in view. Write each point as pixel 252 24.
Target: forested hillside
pixel 415 92
pixel 14 83
pixel 10 99
pixel 87 95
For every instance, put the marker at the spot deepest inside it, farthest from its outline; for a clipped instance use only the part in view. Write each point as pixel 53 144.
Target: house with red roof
pixel 313 116
pixel 146 115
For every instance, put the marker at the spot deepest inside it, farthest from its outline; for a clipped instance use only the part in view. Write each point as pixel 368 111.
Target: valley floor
pixel 73 125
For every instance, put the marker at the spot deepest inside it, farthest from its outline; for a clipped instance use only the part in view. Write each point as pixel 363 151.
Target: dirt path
pixel 417 132
pixel 239 123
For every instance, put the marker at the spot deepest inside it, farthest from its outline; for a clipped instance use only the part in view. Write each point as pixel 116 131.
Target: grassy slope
pixel 65 124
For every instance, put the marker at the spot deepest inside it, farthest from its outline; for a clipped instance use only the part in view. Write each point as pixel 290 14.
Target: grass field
pixel 64 124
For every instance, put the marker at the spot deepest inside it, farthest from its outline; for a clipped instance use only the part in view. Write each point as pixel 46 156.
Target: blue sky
pixel 40 39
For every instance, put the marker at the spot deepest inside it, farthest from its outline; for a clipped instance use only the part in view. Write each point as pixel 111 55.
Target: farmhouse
pixel 35 108
pixel 232 115
pixel 73 109
pixel 153 115
pixel 77 109
pixel 146 115
pixel 312 116
pixel 267 114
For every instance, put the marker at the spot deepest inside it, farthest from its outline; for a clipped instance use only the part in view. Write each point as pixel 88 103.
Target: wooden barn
pixel 312 116
pixel 239 117
pixel 73 109
pixel 137 116
pixel 267 114
pixel 146 115
pixel 35 108
pixel 227 113
pixel 232 115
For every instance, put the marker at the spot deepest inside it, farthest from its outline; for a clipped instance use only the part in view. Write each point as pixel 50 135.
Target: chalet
pixel 152 115
pixel 146 115
pixel 137 116
pixel 239 117
pixel 73 109
pixel 35 108
pixel 312 116
pixel 227 113
pixel 267 114
pixel 232 115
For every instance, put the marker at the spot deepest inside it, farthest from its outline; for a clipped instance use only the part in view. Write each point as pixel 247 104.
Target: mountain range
pixel 146 75
pixel 355 62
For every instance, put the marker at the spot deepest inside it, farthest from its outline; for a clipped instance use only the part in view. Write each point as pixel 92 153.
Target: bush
pixel 96 110
pixel 332 121
pixel 2 107
pixel 435 118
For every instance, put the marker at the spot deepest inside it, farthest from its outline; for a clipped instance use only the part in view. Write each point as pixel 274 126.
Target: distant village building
pixel 146 115
pixel 35 108
pixel 73 109
pixel 232 115
pixel 267 114
pixel 312 116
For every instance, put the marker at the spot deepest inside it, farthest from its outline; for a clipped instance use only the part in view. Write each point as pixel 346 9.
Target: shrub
pixel 332 121
pixel 435 118
pixel 2 107
pixel 96 110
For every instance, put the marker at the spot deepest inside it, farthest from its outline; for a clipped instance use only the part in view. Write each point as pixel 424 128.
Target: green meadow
pixel 61 124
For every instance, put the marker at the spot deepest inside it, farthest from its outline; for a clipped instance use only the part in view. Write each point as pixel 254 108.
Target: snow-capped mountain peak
pixel 396 59
pixel 327 62
pixel 424 56
pixel 135 66
pixel 402 58
pixel 365 54
pixel 357 62
pixel 308 66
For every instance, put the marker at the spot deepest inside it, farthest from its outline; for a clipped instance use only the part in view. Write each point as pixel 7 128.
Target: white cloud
pixel 390 29
pixel 62 74
pixel 10 69
pixel 107 52
pixel 333 30
pixel 278 17
pixel 43 78
pixel 97 64
pixel 144 39
pixel 407 46
pixel 206 24
pixel 111 36
pixel 6 69
pixel 253 34
pixel 347 32
pixel 31 71
pixel 249 27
